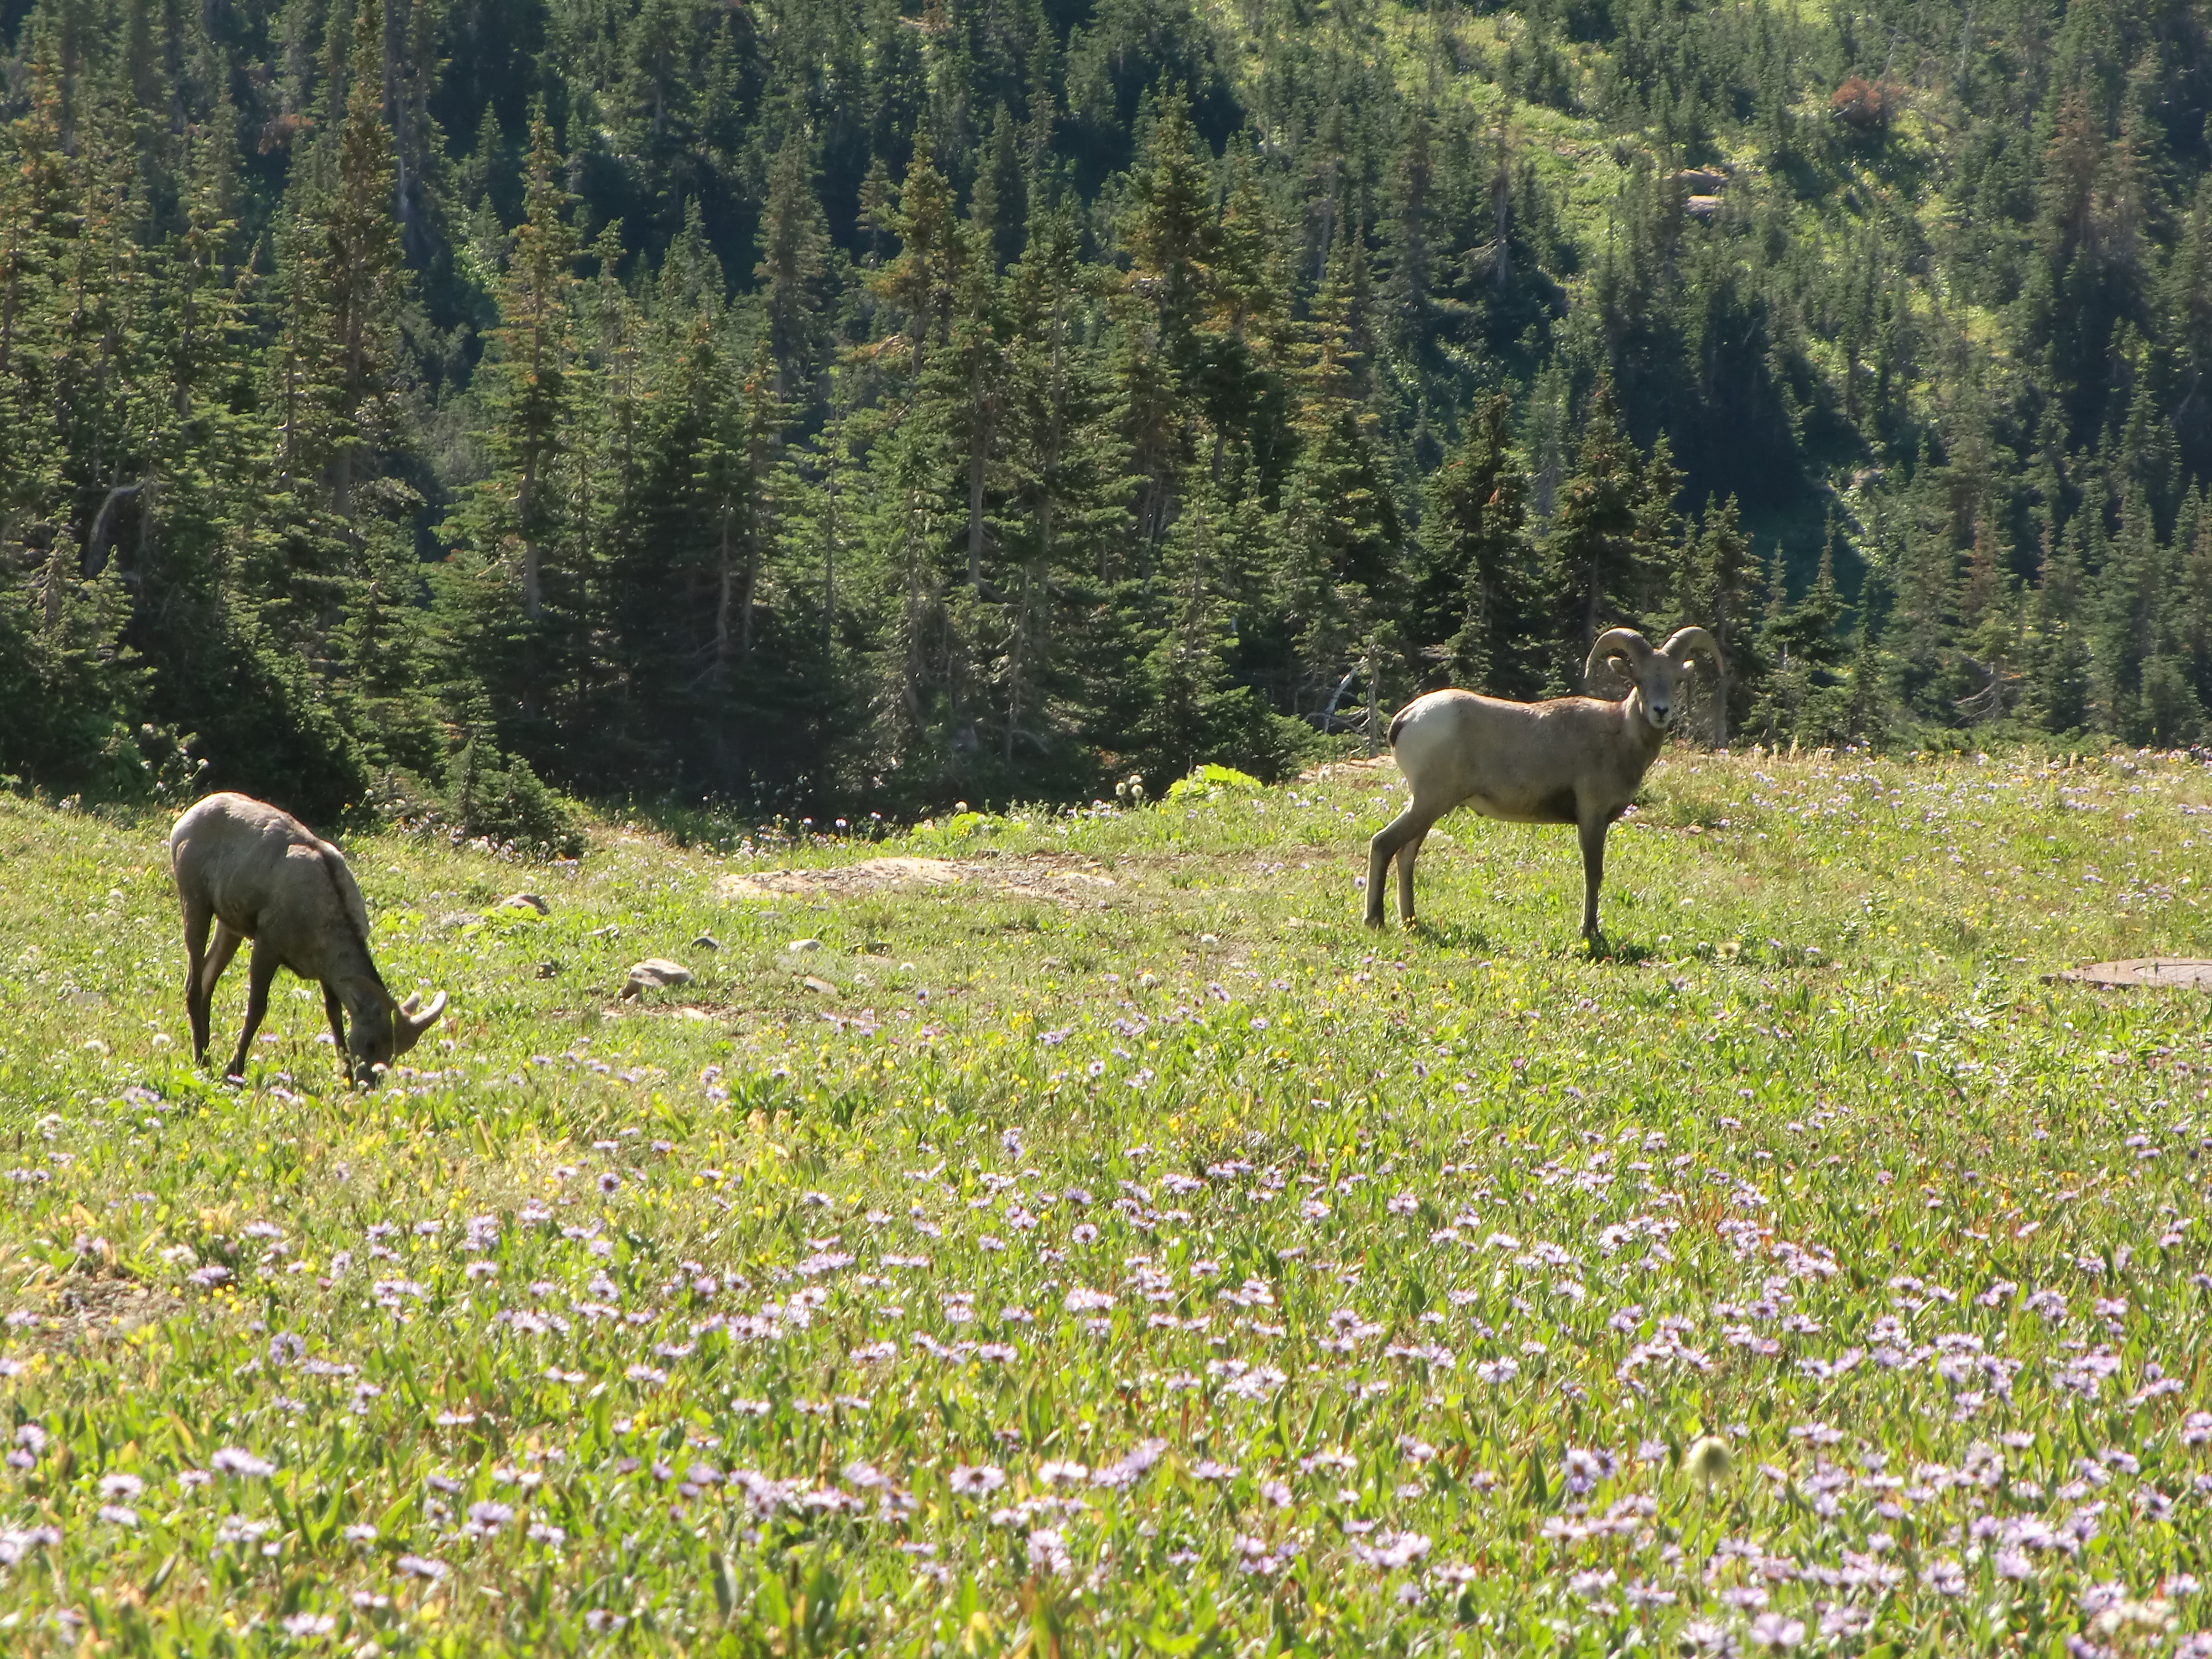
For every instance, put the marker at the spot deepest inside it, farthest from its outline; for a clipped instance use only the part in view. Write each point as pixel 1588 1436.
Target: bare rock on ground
pixel 654 973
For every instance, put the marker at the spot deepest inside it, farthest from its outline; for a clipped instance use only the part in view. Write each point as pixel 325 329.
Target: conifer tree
pixel 1606 544
pixel 1169 231
pixel 360 278
pixel 1479 584
pixel 794 263
pixel 1717 573
pixel 922 280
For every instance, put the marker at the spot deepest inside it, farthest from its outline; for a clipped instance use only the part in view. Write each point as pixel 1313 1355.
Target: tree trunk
pixel 752 582
pixel 978 447
pixel 525 504
pixel 725 585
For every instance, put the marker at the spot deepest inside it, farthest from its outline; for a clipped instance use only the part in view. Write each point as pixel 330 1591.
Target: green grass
pixel 1384 1280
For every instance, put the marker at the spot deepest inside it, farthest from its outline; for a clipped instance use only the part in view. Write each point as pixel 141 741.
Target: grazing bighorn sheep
pixel 1571 760
pixel 259 873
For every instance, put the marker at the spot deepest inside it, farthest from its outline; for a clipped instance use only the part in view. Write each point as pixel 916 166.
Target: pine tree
pixel 360 278
pixel 794 263
pixel 525 610
pixel 922 282
pixel 1479 595
pixel 530 375
pixel 1717 574
pixel 1064 514
pixel 1405 303
pixel 1169 232
pixel 61 679
pixel 1339 532
pixel 2057 690
pixel 1606 544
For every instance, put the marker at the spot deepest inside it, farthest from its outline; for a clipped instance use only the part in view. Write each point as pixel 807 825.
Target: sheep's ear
pixel 368 988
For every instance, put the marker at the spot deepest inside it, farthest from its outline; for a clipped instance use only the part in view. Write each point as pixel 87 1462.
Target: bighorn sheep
pixel 1571 760
pixel 259 873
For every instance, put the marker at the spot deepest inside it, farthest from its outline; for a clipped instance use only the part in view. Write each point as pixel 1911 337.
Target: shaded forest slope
pixel 814 405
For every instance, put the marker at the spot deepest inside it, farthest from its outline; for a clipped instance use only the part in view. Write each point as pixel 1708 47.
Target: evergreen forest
pixel 428 407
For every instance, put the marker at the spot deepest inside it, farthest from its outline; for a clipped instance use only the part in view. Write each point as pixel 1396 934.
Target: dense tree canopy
pixel 803 404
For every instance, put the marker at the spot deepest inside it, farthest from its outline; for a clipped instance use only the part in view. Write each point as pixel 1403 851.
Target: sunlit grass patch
pixel 1157 1256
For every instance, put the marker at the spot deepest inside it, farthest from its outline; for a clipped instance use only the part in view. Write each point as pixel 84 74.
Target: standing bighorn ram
pixel 258 873
pixel 1571 760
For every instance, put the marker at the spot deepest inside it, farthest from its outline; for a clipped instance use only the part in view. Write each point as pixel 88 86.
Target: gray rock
pixel 654 973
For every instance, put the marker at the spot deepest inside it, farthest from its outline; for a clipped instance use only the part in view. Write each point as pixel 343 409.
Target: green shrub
pixel 1204 782
pixel 498 797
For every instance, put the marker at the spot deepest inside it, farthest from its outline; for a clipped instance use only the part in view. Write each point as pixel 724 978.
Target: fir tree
pixel 1479 573
pixel 794 263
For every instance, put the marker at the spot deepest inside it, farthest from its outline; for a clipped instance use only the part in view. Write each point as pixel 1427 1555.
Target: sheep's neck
pixel 1641 731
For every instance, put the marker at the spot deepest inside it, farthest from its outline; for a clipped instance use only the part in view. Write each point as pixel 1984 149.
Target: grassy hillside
pixel 1113 1244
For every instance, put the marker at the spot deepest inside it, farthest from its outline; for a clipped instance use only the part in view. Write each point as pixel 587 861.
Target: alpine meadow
pixel 826 581
pixel 1078 1233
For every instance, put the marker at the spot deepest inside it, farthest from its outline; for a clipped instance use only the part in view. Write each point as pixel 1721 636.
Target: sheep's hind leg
pixel 1407 856
pixel 1393 835
pixel 199 916
pixel 260 974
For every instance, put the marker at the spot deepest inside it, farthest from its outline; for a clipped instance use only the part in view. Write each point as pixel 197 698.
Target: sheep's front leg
pixel 260 974
pixel 212 968
pixel 336 1011
pixel 1593 840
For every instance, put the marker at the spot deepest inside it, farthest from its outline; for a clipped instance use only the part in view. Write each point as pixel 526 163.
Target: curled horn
pixel 427 1016
pixel 1615 642
pixel 1686 642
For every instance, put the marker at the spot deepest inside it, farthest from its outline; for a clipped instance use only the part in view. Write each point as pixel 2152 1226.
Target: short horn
pixel 414 1001
pixel 428 1016
pixel 1614 642
pixel 1686 642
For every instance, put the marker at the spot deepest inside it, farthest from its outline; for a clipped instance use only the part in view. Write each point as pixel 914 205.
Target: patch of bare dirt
pixel 2138 970
pixel 1334 768
pixel 1066 881
pixel 80 1308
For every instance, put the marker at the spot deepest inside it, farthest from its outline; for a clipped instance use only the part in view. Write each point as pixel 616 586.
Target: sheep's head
pixel 383 1028
pixel 1658 679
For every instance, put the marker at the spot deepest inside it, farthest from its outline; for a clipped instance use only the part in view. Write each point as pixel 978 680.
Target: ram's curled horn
pixel 1686 642
pixel 1614 642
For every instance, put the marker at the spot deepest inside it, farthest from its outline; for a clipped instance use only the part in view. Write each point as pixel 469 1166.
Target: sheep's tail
pixel 1398 725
